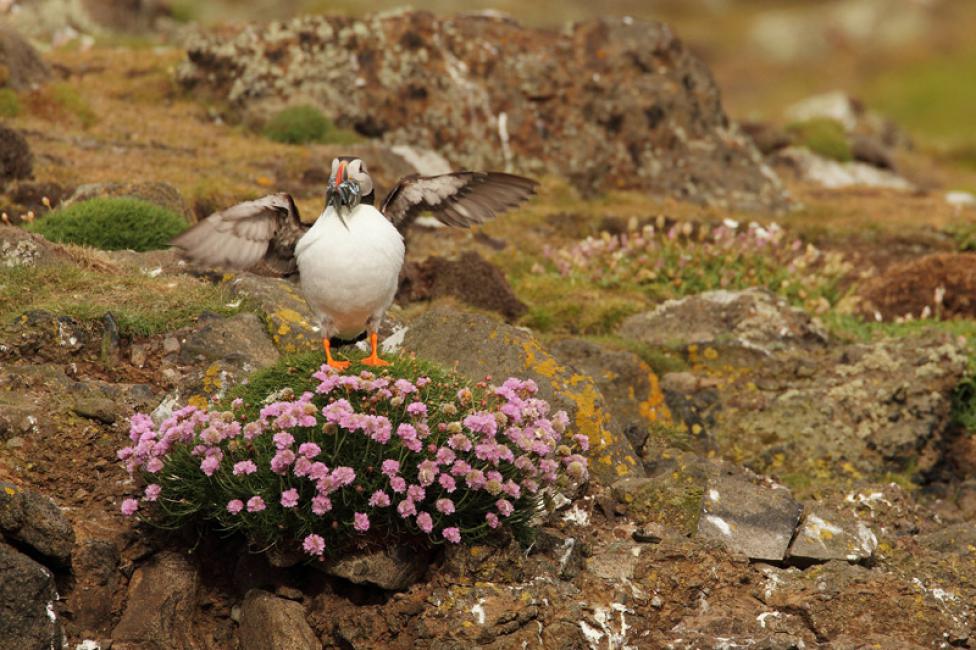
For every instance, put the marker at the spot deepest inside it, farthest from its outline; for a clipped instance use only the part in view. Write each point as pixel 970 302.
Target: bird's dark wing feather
pixel 458 199
pixel 264 230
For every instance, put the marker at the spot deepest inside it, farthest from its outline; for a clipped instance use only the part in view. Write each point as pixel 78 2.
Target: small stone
pixel 15 443
pixel 656 602
pixel 394 568
pixel 651 533
pixel 36 521
pixel 672 499
pixel 97 408
pixel 162 597
pixel 272 623
pixel 171 345
pixel 289 592
pixel 137 355
pixel 833 535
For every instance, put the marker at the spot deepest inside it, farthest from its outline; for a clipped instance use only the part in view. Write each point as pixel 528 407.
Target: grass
pixel 142 306
pixel 823 136
pixel 935 100
pixel 304 125
pixel 9 103
pixel 114 223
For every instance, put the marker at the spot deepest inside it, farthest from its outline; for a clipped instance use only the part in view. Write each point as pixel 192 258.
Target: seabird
pixel 348 262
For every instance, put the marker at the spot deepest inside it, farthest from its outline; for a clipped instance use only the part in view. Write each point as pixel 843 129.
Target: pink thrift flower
pixel 255 504
pixel 452 535
pixel 152 491
pixel 209 465
pixel 482 422
pixel 444 506
pixel 153 465
pixel 417 409
pixel 302 467
pixel 314 545
pixel 360 522
pixel 406 508
pixel 342 476
pixel 379 499
pixel 318 471
pixel 235 506
pixel 424 522
pixel 281 461
pixel 445 456
pixel 289 498
pixel 459 442
pixel 404 387
pixel 390 467
pixel 309 450
pixel 406 432
pixel 582 441
pixel 321 505
pixel 245 467
pixel 447 482
pixel 416 493
pixel 283 440
pixel 129 507
pixel 422 381
pixel 427 472
pixel 504 507
pixel 492 519
pixel 398 484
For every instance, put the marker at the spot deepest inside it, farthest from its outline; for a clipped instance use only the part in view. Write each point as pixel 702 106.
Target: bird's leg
pixel 338 365
pixel 373 359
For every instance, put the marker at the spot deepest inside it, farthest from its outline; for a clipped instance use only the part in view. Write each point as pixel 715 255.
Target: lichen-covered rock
pixel 865 408
pixel 290 323
pixel 750 323
pixel 36 521
pixel 608 103
pixel 629 386
pixel 27 594
pixel 827 534
pixel 478 346
pixel 673 499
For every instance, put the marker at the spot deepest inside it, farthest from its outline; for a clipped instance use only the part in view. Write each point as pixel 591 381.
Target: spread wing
pixel 241 236
pixel 458 199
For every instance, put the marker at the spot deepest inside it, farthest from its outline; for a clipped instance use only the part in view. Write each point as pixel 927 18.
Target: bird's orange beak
pixel 340 173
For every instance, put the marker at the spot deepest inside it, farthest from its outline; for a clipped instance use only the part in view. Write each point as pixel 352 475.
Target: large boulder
pixel 28 620
pixel 479 346
pixel 161 600
pixel 36 521
pixel 21 66
pixel 607 103
pixel 16 159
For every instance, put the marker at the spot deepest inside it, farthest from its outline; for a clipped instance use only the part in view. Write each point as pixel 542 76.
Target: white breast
pixel 350 275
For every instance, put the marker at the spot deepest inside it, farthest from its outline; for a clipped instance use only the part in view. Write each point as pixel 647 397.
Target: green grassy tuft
pixel 112 224
pixel 9 103
pixel 823 136
pixel 71 101
pixel 141 305
pixel 305 124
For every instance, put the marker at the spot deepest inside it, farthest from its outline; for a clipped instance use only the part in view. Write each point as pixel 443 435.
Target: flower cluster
pixel 672 259
pixel 357 458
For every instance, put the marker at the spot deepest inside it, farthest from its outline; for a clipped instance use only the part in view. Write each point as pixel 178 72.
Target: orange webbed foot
pixel 338 365
pixel 373 359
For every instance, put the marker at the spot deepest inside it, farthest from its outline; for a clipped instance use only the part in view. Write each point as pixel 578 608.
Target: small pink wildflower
pixel 283 440
pixel 245 467
pixel 209 465
pixel 424 522
pixel 416 493
pixel 447 482
pixel 505 507
pixel 398 484
pixel 360 522
pixel 417 409
pixel 235 506
pixel 379 499
pixel 406 508
pixel 314 545
pixel 444 506
pixel 452 535
pixel 152 491
pixel 321 505
pixel 309 450
pixel 281 461
pixel 255 504
pixel 129 507
pixel 289 498
pixel 390 467
pixel 492 519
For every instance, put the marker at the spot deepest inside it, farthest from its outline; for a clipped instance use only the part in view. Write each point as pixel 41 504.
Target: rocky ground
pixel 785 465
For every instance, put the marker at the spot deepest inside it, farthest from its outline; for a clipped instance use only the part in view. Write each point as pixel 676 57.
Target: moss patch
pixel 112 224
pixel 303 125
pixel 823 136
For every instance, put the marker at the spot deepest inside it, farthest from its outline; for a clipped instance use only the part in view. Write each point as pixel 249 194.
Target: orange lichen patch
pixel 198 401
pixel 653 408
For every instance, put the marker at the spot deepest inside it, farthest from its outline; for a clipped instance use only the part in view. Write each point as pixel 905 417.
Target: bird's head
pixel 349 185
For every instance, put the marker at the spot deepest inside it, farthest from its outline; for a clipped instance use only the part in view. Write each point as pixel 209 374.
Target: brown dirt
pixel 912 287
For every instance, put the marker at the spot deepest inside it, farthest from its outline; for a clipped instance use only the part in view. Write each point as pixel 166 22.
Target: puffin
pixel 348 260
